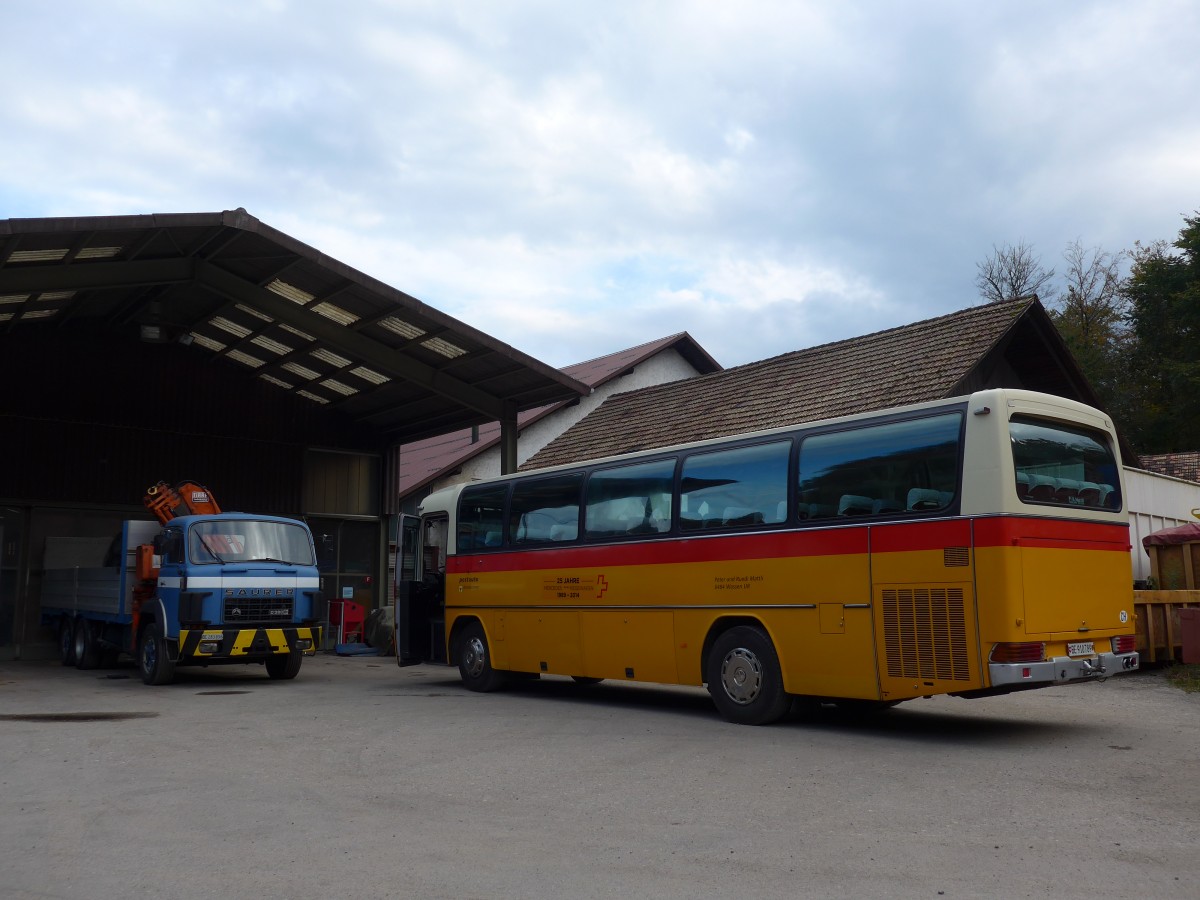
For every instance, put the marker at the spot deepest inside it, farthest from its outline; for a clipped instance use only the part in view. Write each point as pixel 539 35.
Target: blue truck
pixel 197 587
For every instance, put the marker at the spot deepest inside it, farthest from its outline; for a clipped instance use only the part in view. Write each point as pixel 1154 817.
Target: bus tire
pixel 153 660
pixel 475 660
pixel 744 678
pixel 284 666
pixel 87 644
pixel 66 641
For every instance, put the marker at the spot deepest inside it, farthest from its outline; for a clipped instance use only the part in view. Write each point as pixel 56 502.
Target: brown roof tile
pixel 909 364
pixel 1177 465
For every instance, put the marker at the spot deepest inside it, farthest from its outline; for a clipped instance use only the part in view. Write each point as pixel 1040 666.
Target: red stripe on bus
pixel 998 531
pixel 1065 534
pixel 767 545
pixel 910 536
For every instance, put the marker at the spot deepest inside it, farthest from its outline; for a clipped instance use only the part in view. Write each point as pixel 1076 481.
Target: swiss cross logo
pixel 601 586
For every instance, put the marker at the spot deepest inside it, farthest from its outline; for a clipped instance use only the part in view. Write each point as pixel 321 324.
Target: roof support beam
pixel 371 352
pixel 508 439
pixel 93 275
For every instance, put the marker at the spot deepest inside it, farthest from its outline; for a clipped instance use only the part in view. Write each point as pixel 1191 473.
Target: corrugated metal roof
pixel 910 364
pixel 291 316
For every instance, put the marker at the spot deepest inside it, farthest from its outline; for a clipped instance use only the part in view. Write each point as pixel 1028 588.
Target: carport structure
pixel 294 317
pixel 214 340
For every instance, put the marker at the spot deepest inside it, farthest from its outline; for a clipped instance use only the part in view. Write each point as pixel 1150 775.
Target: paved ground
pixel 363 780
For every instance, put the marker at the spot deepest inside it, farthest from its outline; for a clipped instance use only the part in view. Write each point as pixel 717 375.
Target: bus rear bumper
pixel 1063 669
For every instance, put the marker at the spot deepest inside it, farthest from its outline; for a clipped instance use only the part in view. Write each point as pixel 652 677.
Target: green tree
pixel 1163 292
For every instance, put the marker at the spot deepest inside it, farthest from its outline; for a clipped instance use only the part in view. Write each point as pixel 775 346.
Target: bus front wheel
pixel 475 660
pixel 744 678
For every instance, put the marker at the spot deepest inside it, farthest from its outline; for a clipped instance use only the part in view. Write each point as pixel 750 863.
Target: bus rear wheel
pixel 744 678
pixel 475 661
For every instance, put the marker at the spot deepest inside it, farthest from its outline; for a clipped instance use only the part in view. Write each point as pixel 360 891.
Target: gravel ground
pixel 364 780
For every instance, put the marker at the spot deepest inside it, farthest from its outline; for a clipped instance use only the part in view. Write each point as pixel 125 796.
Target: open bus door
pixel 420 591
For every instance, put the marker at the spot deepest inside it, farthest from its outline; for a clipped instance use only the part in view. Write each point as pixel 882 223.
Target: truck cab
pixel 230 587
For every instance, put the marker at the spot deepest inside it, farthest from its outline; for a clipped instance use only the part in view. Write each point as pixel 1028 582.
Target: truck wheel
pixel 66 641
pixel 475 661
pixel 87 647
pixel 156 665
pixel 284 665
pixel 744 678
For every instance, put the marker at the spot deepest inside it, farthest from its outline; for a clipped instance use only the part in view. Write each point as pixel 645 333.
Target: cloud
pixel 581 178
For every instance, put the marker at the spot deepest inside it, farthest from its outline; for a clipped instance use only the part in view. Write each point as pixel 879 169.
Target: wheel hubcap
pixel 474 657
pixel 741 675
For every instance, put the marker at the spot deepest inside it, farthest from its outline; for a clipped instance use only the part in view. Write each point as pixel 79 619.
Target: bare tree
pixel 1012 272
pixel 1092 308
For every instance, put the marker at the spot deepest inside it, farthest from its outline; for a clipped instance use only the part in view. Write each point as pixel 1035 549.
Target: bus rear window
pixel 1064 465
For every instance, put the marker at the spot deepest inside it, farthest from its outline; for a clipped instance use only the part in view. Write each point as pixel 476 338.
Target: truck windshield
pixel 1064 465
pixel 213 543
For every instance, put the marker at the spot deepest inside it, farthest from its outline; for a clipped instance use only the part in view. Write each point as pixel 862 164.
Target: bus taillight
pixel 1018 653
pixel 1126 643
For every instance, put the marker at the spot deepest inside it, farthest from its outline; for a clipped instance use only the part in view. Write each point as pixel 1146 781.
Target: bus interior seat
pixel 855 505
pixel 493 539
pixel 1022 485
pixel 1067 490
pixel 817 511
pixel 741 515
pixel 564 532
pixel 1042 487
pixel 886 506
pixel 923 498
pixel 1105 491
pixel 1089 493
pixel 781 511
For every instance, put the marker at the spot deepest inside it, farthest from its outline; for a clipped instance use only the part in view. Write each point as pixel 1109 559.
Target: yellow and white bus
pixel 971 546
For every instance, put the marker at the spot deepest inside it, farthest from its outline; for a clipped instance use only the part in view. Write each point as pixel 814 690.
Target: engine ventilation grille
pixel 956 556
pixel 925 633
pixel 258 610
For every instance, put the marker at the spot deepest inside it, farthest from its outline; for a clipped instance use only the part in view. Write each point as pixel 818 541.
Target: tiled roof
pixel 425 460
pixel 913 363
pixel 1177 465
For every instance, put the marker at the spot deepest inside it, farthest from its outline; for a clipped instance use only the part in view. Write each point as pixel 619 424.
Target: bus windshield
pixel 242 541
pixel 1064 465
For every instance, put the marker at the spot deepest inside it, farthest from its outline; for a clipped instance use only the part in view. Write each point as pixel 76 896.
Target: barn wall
pixel 97 419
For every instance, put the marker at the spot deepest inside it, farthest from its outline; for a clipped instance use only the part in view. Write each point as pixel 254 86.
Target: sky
pixel 578 178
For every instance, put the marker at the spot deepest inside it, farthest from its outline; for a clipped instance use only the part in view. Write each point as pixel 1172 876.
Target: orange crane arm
pixel 186 498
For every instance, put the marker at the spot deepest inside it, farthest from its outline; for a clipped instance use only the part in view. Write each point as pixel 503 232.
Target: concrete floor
pixel 360 779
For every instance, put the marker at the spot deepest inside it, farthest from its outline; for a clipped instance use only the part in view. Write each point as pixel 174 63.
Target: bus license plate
pixel 1081 648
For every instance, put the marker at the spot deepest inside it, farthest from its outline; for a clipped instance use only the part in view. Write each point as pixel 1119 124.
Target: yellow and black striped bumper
pixel 247 643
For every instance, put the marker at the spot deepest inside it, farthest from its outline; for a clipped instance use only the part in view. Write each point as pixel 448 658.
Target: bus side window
pixel 629 500
pixel 870 471
pixel 740 488
pixel 481 518
pixel 545 510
